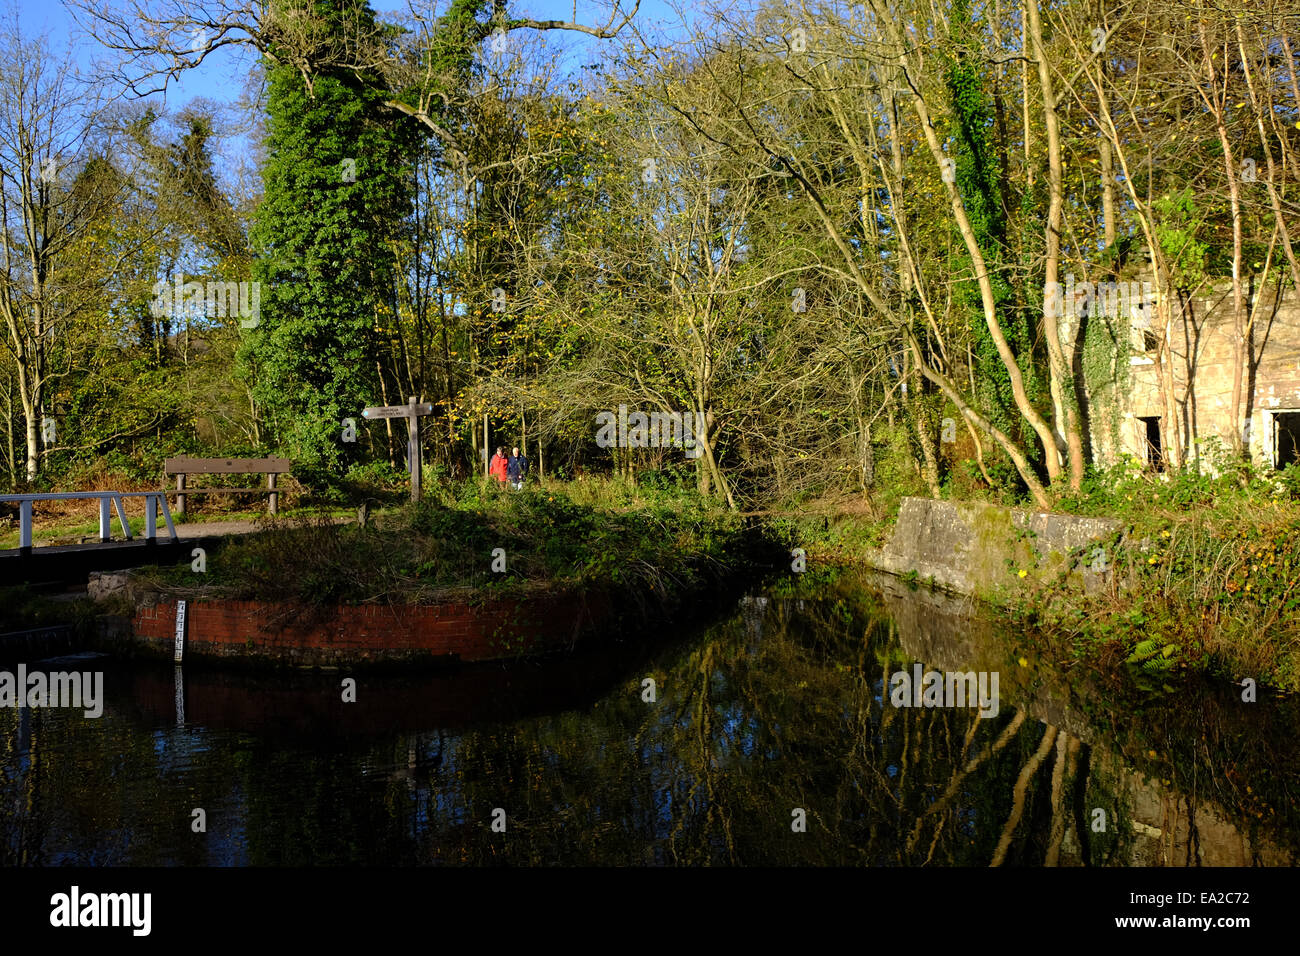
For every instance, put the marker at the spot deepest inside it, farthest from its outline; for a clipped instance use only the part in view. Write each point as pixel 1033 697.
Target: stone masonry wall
pixel 1202 369
pixel 974 547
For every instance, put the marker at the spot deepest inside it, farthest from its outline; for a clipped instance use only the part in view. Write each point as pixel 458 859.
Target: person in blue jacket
pixel 516 469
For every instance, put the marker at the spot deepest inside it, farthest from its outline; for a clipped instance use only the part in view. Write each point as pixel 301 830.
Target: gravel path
pixel 184 530
pixel 208 529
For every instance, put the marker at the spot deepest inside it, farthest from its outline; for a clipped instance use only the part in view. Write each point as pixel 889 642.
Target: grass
pixel 651 545
pixel 838 530
pixel 1212 567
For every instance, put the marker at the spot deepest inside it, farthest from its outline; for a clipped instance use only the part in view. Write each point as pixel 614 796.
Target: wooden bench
pixel 180 467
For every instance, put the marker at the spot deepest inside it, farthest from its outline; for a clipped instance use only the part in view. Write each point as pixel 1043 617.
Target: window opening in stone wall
pixel 1286 439
pixel 1152 444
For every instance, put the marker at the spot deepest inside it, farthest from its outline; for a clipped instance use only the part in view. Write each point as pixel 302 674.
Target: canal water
pixel 768 736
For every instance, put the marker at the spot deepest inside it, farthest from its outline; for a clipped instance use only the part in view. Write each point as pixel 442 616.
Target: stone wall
pixel 973 547
pixel 1202 367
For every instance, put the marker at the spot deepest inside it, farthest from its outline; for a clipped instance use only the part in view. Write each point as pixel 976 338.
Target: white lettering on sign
pixel 397 411
pixel 180 631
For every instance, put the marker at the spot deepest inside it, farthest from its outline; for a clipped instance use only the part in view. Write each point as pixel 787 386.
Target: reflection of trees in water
pixel 742 734
pixel 744 731
pixel 783 706
pixel 21 823
pixel 96 792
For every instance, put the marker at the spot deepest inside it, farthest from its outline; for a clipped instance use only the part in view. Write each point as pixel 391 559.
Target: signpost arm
pixel 411 412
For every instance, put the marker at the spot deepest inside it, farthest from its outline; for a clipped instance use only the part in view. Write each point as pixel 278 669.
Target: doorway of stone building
pixel 1149 430
pixel 1286 437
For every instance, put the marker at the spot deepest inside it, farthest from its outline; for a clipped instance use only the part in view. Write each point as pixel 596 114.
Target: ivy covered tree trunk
pixel 338 192
pixel 978 175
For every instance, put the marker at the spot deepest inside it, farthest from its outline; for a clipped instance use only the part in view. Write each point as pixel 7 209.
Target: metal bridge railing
pixel 155 501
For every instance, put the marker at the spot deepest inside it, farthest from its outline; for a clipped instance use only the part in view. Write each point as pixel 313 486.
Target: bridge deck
pixel 72 563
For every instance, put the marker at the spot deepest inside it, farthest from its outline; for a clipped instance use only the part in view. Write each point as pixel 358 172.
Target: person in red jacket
pixel 497 469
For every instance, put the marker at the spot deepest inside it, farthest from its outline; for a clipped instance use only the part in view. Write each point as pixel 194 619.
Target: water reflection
pixel 780 706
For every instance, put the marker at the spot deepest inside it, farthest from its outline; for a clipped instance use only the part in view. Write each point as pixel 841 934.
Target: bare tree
pixel 55 182
pixel 156 41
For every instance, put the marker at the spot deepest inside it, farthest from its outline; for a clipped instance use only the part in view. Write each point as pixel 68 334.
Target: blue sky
pixel 223 75
pixel 220 77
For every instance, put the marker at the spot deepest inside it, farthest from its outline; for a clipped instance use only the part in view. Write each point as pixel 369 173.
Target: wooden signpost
pixel 411 412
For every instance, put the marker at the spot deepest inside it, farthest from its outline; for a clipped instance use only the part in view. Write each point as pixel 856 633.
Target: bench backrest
pixel 227 466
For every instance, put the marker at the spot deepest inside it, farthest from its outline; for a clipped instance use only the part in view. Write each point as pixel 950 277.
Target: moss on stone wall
pixel 1107 377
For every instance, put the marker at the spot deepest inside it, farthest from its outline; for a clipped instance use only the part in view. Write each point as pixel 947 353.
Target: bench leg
pixel 180 494
pixel 275 496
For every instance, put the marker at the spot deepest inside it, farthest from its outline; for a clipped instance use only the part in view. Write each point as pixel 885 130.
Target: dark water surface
pixel 777 711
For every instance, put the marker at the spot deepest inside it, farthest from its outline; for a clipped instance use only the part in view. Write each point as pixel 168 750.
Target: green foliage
pixel 1179 226
pixel 1107 372
pixel 325 257
pixel 1288 481
pixel 661 550
pixel 1209 568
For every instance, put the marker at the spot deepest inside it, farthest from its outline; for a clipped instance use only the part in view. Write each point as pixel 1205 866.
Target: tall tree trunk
pixel 32 440
pixel 1031 415
pixel 705 442
pixel 9 433
pixel 924 435
pixel 1216 105
pixel 930 466
pixel 1107 163
pixel 1061 382
pixel 1041 497
pixel 1270 183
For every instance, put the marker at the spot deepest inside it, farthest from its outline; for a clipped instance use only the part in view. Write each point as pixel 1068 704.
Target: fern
pixel 1144 650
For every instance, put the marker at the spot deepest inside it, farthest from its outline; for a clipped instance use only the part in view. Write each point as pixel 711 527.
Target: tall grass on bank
pixel 648 544
pixel 1207 577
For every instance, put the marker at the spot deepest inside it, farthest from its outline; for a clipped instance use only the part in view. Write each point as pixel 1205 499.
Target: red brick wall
pixel 370 633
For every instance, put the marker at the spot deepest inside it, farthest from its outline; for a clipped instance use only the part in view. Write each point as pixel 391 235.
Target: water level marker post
pixel 179 652
pixel 180 695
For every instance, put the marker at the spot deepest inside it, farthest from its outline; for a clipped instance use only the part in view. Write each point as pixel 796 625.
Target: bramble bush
pixel 1207 576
